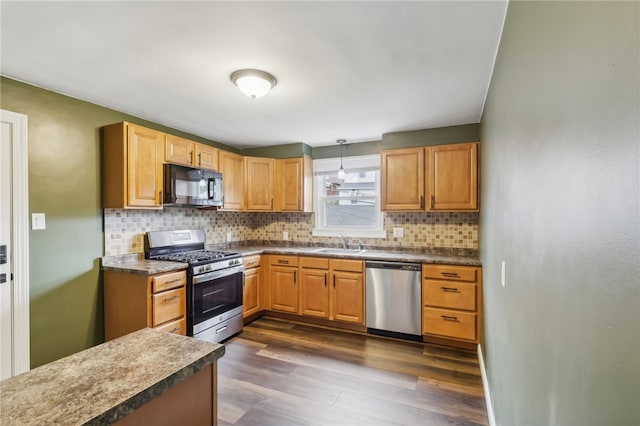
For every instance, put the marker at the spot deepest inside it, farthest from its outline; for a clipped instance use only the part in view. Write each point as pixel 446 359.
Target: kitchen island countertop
pixel 103 384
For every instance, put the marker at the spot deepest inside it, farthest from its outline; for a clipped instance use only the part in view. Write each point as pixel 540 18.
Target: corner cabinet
pixel 135 301
pixel 132 158
pixel 452 304
pixel 435 178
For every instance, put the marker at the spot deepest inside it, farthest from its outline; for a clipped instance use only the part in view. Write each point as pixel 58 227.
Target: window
pixel 349 206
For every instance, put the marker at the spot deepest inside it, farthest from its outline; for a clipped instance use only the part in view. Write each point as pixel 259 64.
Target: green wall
pixel 64 183
pixel 560 157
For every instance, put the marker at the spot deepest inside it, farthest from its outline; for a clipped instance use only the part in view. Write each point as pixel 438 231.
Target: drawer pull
pixel 283 262
pixel 450 274
pixel 173 330
pixel 169 299
pixel 177 280
pixel 448 318
pixel 450 289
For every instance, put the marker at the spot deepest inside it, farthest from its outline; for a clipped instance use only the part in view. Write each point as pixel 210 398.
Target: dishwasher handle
pixel 393 265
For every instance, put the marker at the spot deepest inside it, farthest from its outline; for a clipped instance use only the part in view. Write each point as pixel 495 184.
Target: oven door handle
pixel 209 276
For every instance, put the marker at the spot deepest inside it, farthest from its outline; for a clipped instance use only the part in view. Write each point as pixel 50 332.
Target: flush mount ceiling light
pixel 253 83
pixel 341 172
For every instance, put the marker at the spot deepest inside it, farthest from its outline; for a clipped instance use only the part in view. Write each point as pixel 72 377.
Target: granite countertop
pixel 367 254
pixel 136 264
pixel 106 382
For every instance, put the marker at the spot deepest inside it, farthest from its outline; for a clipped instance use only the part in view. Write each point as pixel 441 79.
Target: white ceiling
pixel 351 70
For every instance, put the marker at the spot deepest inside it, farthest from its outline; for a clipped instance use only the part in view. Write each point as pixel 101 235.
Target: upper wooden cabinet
pixel 452 177
pixel 132 158
pixel 189 153
pixel 259 180
pixel 436 178
pixel 232 169
pixel 294 185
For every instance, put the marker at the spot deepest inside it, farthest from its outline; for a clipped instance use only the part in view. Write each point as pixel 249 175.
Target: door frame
pixel 20 239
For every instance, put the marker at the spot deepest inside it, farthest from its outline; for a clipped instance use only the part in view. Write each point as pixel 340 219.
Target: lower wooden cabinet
pixel 252 287
pixel 283 279
pixel 314 284
pixel 451 300
pixel 135 301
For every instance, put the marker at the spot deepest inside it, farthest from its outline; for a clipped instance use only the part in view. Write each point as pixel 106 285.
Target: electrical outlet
pixel 285 235
pixel 38 221
pixel 228 237
pixel 503 274
pixel 398 232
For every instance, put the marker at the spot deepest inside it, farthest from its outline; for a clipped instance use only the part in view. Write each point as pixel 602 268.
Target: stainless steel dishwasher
pixel 394 306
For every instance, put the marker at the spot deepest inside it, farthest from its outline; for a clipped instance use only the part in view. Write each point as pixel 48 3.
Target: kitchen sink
pixel 339 251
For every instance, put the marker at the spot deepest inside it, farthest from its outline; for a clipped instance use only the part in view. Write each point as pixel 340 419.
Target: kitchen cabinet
pixel 232 169
pixel 132 158
pixel 435 178
pixel 135 301
pixel 259 186
pixel 251 289
pixel 283 280
pixel 189 153
pixel 452 304
pixel 294 184
pixel 332 289
pixel 314 284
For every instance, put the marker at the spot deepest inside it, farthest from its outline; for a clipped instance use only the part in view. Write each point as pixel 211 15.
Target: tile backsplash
pixel 124 229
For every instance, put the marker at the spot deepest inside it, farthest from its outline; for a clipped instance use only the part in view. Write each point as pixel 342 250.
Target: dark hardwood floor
pixel 282 373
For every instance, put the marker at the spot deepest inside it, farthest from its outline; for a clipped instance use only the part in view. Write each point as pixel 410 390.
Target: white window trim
pixel 321 166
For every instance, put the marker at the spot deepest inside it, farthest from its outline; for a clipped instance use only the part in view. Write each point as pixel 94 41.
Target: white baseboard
pixel 485 385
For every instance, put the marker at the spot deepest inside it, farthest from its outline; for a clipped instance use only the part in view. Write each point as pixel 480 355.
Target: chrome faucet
pixel 344 242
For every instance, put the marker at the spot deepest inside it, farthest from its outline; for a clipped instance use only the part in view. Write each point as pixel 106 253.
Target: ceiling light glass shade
pixel 253 83
pixel 341 173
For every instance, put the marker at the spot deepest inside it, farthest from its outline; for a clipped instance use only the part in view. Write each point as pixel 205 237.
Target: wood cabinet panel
pixel 452 273
pixel 179 151
pixel 452 177
pixel 232 169
pixel 250 295
pixel 449 323
pixel 283 260
pixel 285 294
pixel 207 157
pixel 169 305
pixel 347 265
pixel 259 183
pixel 348 297
pixel 251 261
pixel 178 326
pixel 450 294
pixel 168 281
pixel 294 185
pixel 314 292
pixel 402 183
pixel 314 262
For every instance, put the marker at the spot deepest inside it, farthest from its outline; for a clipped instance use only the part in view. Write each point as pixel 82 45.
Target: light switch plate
pixel 398 232
pixel 228 237
pixel 38 221
pixel 285 235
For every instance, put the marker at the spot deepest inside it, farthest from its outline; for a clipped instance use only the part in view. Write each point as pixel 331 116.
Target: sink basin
pixel 339 251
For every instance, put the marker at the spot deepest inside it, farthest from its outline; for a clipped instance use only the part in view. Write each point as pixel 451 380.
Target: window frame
pixel 324 165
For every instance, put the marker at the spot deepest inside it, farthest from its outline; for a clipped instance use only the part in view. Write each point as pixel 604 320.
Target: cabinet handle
pixel 173 330
pixel 448 318
pixel 191 160
pixel 169 299
pixel 325 280
pixel 177 280
pixel 450 274
pixel 283 262
pixel 199 159
pixel 421 202
pixel 295 276
pixel 160 197
pixel 334 281
pixel 433 201
pixel 450 289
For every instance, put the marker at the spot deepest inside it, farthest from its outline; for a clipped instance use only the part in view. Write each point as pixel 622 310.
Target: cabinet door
pixel 206 157
pixel 402 183
pixel 251 291
pixel 145 156
pixel 284 289
pixel 348 297
pixel 289 193
pixel 314 290
pixel 232 169
pixel 259 179
pixel 179 151
pixel 452 177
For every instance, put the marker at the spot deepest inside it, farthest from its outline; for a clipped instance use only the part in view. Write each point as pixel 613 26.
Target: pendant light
pixel 341 172
pixel 253 83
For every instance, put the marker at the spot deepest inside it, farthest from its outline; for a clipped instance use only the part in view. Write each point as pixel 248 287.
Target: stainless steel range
pixel 214 281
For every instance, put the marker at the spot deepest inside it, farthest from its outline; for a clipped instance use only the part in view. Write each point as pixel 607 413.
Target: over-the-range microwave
pixel 186 186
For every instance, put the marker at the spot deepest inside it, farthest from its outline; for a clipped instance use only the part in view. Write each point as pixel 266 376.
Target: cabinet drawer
pixel 284 260
pixel 178 326
pixel 251 262
pixel 445 323
pixel 449 294
pixel 169 305
pixel 314 262
pixel 449 272
pixel 346 265
pixel 167 281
